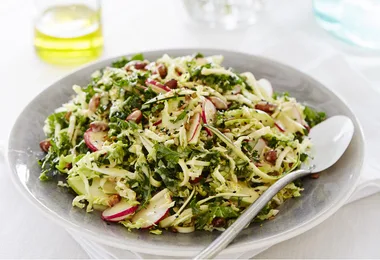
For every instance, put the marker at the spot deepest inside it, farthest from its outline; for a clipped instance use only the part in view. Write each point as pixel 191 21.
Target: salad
pixel 180 143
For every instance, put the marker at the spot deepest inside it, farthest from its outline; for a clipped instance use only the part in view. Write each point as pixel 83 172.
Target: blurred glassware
pixel 354 21
pixel 226 14
pixel 68 32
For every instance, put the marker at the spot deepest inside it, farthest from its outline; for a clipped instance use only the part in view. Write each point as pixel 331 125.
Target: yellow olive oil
pixel 68 34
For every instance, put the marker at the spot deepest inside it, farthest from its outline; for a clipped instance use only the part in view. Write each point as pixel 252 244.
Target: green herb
pixel 48 166
pixel 90 92
pixel 277 95
pixel 273 142
pixel 122 61
pixel 313 117
pixel 56 118
pixel 222 82
pixel 303 157
pixel 198 55
pixel 168 177
pixel 261 216
pixel 157 107
pixel 133 161
pixel 165 153
pixel 299 136
pixel 180 117
pixel 117 153
pixel 214 211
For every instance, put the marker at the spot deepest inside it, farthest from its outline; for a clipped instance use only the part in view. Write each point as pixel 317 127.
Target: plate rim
pixel 189 251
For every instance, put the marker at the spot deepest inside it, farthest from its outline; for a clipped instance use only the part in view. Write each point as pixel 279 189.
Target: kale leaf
pixel 313 117
pixel 224 82
pixel 214 211
pixel 122 61
pixel 169 178
pixel 166 154
pixel 180 116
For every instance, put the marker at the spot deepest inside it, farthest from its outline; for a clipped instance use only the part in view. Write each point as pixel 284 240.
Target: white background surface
pixel 353 232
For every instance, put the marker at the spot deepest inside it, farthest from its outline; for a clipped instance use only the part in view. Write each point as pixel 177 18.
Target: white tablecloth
pixel 129 27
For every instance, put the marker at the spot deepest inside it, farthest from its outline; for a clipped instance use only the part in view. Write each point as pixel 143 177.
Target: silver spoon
pixel 330 140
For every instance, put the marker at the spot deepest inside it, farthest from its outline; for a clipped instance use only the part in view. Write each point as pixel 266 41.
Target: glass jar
pixel 226 14
pixel 68 32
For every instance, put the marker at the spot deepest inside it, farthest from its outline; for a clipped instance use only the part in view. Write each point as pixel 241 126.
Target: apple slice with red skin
pixel 218 103
pixel 208 114
pixel 94 140
pixel 279 125
pixel 195 123
pixel 119 211
pixel 306 125
pixel 155 211
pixel 156 86
pixel 297 115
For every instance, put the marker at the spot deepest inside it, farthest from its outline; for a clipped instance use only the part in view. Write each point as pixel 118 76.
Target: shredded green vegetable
pixel 198 152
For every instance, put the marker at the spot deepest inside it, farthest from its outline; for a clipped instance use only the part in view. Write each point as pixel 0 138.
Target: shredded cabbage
pixel 213 139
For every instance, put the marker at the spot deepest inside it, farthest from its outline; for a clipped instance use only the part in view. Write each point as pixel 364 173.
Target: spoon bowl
pixel 330 140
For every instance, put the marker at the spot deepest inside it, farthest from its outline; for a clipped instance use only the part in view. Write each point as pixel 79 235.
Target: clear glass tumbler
pixel 68 31
pixel 354 21
pixel 226 14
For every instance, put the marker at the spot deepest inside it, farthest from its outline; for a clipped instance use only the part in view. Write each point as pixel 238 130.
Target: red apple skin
pixel 205 121
pixel 218 103
pixel 198 122
pixel 279 127
pixel 205 116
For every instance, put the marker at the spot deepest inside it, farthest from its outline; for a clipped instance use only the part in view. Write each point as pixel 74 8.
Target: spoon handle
pixel 229 234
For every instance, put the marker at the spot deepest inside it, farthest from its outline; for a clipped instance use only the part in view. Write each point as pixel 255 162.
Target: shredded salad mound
pixel 181 143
